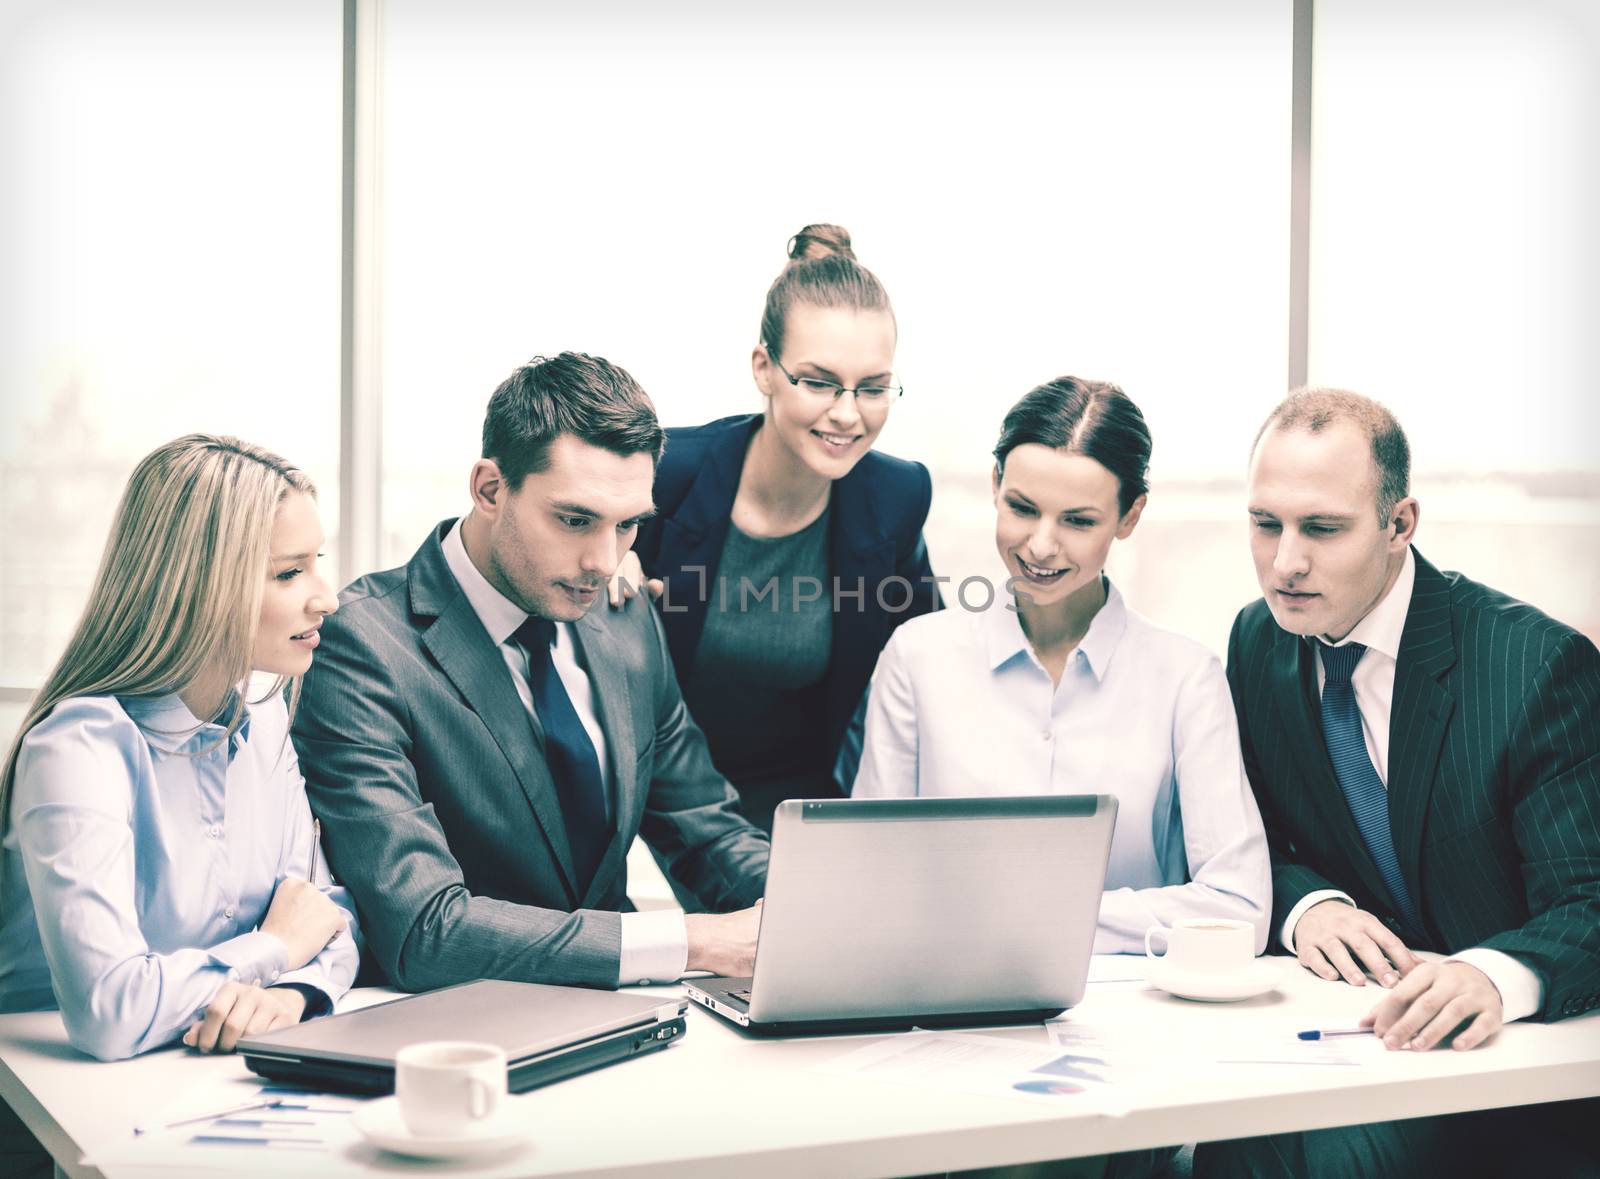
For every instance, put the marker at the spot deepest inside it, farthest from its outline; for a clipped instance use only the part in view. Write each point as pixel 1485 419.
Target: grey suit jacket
pixel 438 811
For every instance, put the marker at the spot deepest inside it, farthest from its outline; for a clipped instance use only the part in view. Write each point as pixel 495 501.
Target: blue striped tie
pixel 1364 791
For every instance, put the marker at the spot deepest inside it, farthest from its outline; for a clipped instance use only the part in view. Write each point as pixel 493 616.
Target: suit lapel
pixel 609 686
pixel 1291 680
pixel 1421 714
pixel 860 556
pixel 695 534
pixel 461 648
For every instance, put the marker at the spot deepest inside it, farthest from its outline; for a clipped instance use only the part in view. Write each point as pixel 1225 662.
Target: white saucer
pixel 1257 979
pixel 381 1122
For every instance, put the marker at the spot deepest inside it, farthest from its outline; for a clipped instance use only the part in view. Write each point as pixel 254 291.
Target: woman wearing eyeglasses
pixel 785 549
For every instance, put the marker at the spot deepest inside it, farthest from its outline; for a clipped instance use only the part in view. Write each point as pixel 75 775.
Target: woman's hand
pixel 625 582
pixel 303 919
pixel 238 1011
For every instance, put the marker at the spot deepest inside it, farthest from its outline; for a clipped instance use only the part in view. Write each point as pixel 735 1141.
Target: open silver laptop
pixel 883 914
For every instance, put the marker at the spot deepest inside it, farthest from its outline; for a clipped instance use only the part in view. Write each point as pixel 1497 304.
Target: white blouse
pixel 960 705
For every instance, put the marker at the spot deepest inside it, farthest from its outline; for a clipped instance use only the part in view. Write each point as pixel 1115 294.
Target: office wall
pixel 1093 188
pixel 169 229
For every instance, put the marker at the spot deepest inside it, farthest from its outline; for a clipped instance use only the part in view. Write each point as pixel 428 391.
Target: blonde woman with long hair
pixel 159 875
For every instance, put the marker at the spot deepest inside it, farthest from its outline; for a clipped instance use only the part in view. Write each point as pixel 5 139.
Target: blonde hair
pixel 178 592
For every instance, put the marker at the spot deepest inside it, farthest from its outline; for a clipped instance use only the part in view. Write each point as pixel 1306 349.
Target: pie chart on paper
pixel 1048 1088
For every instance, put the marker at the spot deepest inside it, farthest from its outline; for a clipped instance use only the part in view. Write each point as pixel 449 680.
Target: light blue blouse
pixel 960 705
pixel 143 851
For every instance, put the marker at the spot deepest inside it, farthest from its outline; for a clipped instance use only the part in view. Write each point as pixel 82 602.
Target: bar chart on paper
pixel 249 1127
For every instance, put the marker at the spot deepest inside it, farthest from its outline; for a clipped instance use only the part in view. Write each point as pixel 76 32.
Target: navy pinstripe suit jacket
pixel 1494 780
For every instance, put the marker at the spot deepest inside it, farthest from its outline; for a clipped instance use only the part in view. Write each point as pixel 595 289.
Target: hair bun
pixel 819 241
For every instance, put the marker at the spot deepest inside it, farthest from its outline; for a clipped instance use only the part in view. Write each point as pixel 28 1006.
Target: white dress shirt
pixel 655 944
pixel 960 705
pixel 1373 680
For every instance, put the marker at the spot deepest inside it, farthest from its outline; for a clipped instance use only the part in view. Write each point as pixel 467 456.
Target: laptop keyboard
pixel 734 992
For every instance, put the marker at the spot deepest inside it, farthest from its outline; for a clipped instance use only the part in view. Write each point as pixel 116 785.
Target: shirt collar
pixel 1385 623
pixel 499 614
pixel 168 726
pixel 1105 632
pixel 1004 639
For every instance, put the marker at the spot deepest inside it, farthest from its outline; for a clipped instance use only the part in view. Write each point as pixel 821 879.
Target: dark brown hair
pixel 822 272
pixel 574 393
pixel 1092 418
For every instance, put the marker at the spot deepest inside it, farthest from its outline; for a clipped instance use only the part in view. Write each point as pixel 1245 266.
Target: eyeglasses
pixel 872 394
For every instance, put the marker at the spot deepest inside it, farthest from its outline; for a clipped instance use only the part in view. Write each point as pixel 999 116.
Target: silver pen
pixel 316 848
pixel 269 1103
pixel 1329 1033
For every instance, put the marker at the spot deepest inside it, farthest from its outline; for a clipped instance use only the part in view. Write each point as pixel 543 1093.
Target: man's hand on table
pixel 1334 939
pixel 1431 1002
pixel 238 1011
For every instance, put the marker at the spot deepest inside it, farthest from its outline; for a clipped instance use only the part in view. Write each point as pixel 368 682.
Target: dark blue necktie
pixel 1363 789
pixel 574 764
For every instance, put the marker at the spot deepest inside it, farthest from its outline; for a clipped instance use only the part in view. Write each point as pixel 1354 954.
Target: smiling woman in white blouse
pixel 159 878
pixel 1059 688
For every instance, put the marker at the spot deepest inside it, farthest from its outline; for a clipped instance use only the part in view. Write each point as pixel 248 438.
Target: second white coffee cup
pixel 449 1087
pixel 1205 945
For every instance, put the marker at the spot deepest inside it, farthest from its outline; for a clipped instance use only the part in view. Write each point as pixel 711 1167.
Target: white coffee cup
pixel 448 1087
pixel 1205 945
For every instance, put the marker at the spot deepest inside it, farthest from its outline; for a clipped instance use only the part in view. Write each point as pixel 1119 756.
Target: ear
pixel 994 482
pixel 761 369
pixel 487 487
pixel 1130 518
pixel 1403 524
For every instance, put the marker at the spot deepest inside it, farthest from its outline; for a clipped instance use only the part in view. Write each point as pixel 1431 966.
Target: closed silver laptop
pixel 548 1033
pixel 923 912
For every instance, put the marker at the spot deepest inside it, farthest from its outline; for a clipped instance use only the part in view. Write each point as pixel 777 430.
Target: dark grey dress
pixel 756 687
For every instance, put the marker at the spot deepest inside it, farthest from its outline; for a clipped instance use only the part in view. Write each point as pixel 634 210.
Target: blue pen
pixel 1329 1033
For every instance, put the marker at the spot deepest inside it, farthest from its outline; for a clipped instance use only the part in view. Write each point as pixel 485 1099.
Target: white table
pixel 720 1103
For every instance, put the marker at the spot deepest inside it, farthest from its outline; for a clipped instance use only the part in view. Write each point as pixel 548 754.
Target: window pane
pixel 1082 188
pixel 1456 271
pixel 170 229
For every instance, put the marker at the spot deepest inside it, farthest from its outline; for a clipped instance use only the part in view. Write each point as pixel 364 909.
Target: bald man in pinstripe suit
pixel 1426 755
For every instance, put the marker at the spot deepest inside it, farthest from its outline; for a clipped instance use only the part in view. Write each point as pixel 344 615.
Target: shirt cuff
pixel 311 980
pixel 655 947
pixel 318 1001
pixel 1299 911
pixel 1521 990
pixel 255 957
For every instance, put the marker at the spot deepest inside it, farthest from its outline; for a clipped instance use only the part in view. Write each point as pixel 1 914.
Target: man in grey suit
pixel 482 747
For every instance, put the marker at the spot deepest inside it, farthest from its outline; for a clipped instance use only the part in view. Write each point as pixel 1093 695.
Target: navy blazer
pixel 875 520
pixel 1494 773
